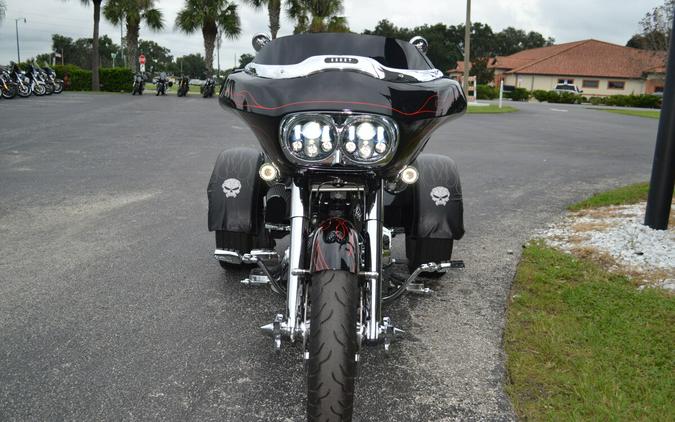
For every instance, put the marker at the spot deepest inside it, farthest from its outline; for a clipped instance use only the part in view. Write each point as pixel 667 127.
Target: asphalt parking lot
pixel 112 308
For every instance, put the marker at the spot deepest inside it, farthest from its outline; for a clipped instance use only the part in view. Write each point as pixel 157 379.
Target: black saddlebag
pixel 436 217
pixel 235 194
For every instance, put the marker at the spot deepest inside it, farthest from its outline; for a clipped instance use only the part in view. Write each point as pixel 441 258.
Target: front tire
pixel 332 346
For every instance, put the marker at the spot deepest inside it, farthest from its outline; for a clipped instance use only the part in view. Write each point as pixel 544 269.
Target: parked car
pixel 562 88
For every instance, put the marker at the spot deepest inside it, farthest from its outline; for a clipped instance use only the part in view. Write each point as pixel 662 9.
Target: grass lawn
pixel 584 344
pixel 490 109
pixel 630 194
pixel 651 114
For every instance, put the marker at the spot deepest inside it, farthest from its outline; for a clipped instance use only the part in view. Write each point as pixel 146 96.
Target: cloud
pixel 608 20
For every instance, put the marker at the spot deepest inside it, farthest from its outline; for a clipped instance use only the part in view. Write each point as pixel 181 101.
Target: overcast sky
pixel 570 20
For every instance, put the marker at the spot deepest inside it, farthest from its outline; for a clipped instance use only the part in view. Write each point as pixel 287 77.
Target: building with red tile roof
pixel 598 68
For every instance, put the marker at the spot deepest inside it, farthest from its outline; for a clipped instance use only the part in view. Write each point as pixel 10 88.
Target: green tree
pixel 317 16
pixel 245 59
pixel 210 16
pixel 656 28
pixel 273 12
pixel 192 65
pixel 132 12
pixel 156 56
pixel 3 10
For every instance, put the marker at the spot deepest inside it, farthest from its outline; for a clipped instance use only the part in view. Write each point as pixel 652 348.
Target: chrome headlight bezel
pixel 379 158
pixel 339 135
pixel 287 126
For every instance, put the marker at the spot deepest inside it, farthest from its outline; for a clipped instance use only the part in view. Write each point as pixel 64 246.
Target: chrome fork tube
pixel 296 254
pixel 374 262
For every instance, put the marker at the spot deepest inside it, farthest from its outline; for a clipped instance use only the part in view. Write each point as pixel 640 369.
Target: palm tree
pixel 3 9
pixel 132 12
pixel 273 11
pixel 95 59
pixel 211 16
pixel 317 16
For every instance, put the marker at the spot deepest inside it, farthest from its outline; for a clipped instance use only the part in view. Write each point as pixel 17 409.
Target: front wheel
pixel 332 346
pixel 39 90
pixel 24 91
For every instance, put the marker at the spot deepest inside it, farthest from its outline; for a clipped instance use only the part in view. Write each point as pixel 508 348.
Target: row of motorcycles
pixel 162 83
pixel 35 80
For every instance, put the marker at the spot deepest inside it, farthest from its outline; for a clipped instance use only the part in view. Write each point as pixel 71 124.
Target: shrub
pixel 597 100
pixel 118 79
pixel 79 79
pixel 111 79
pixel 642 101
pixel 486 92
pixel 519 94
pixel 541 95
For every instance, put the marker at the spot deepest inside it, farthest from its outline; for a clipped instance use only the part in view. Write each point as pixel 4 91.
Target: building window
pixel 616 85
pixel 566 81
pixel 658 89
pixel 591 84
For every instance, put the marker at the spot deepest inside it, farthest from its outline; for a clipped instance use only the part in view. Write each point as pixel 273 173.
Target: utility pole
pixel 467 48
pixel 218 41
pixel 124 59
pixel 18 52
pixel 663 169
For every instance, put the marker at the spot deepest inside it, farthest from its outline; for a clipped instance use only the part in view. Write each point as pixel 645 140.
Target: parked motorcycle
pixel 35 81
pixel 50 77
pixel 183 86
pixel 208 87
pixel 7 86
pixel 161 84
pixel 139 84
pixel 23 85
pixel 341 120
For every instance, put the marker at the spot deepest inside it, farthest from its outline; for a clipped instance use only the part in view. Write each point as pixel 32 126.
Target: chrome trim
pixel 317 64
pixel 373 219
pixel 259 40
pixel 420 43
pixel 225 255
pixel 298 225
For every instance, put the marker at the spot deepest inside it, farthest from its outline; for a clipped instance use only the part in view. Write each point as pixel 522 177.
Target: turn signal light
pixel 409 175
pixel 268 172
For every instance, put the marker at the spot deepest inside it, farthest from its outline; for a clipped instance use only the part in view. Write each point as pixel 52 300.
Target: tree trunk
pixel 209 31
pixel 95 59
pixel 132 45
pixel 274 12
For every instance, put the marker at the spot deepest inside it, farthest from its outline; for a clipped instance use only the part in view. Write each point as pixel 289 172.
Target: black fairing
pixel 236 206
pixel 418 108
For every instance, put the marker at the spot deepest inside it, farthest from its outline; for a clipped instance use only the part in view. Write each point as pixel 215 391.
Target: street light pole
pixel 663 170
pixel 18 52
pixel 467 48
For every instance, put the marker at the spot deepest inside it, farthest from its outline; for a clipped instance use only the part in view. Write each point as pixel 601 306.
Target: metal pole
pixel 501 92
pixel 663 169
pixel 467 48
pixel 219 36
pixel 18 52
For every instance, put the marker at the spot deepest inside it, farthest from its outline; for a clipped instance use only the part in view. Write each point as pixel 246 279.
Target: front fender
pixel 335 246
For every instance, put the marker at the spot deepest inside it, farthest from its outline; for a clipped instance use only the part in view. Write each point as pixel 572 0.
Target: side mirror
pixel 259 41
pixel 421 44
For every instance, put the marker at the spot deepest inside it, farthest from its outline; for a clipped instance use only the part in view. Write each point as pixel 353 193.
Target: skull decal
pixel 440 195
pixel 231 188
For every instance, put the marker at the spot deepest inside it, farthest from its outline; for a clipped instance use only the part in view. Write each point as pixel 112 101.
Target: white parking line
pixel 559 109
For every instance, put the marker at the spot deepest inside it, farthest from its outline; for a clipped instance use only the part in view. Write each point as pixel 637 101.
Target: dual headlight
pixel 317 139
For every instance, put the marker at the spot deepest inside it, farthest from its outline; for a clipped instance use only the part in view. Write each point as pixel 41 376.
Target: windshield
pixel 389 52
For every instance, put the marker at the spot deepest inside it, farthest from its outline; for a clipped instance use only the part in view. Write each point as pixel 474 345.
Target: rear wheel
pixel 332 346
